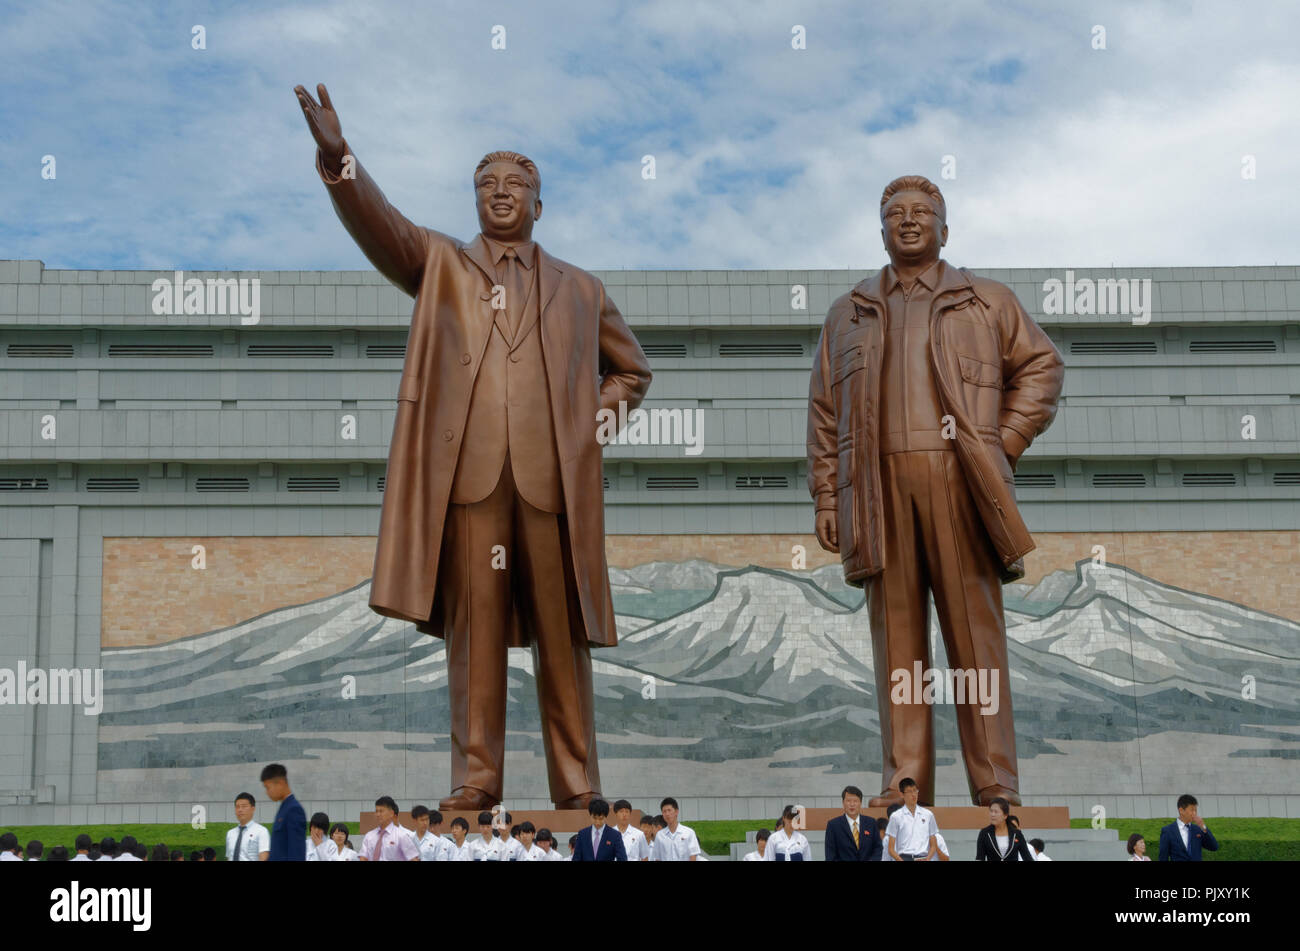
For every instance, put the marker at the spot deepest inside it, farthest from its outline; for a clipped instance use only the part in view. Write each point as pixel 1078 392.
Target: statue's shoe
pixel 581 801
pixel 986 795
pixel 467 799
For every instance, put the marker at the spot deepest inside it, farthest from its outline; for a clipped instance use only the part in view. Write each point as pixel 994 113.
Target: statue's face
pixel 911 228
pixel 507 203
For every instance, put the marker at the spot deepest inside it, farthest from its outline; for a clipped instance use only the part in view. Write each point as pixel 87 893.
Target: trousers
pixel 480 585
pixel 934 541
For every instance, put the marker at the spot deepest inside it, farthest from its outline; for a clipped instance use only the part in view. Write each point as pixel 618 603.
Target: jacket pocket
pixel 979 372
pixel 409 389
pixel 846 523
pixel 846 362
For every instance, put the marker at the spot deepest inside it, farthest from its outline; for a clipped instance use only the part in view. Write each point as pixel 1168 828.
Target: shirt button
pixel 464 358
pixel 446 434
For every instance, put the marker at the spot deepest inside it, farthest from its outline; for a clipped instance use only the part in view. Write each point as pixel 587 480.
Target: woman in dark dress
pixel 1002 840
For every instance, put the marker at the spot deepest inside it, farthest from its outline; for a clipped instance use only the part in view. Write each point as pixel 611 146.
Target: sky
pixel 1174 145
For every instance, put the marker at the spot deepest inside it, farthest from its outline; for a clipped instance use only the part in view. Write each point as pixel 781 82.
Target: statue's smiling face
pixel 912 227
pixel 507 201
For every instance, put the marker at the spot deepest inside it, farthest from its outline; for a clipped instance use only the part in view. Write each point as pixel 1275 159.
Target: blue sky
pixel 766 156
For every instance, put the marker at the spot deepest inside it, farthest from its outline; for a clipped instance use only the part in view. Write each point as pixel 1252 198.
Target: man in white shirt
pixel 486 847
pixel 634 841
pixel 248 841
pixel 1038 849
pixel 388 841
pixel 126 850
pixel 320 847
pixel 675 842
pixel 910 835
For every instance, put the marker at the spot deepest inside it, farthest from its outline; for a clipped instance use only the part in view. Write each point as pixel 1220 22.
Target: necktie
pixel 853 824
pixel 238 839
pixel 516 290
pixel 595 842
pixel 379 846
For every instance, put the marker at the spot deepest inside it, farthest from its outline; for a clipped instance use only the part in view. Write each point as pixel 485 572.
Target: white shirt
pixel 459 853
pixel 550 855
pixel 1041 856
pixel 346 855
pixel 9 857
pixel 79 857
pixel 678 846
pixel 512 850
pixel 327 851
pixel 126 857
pixel 1182 830
pixel 430 847
pixel 884 849
pixel 446 847
pixel 942 846
pixel 778 843
pixel 484 851
pixel 911 831
pixel 533 854
pixel 256 840
pixel 753 857
pixel 634 844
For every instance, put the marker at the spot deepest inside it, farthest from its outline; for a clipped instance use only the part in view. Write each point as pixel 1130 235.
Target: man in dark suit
pixel 1183 839
pixel 852 837
pixel 599 842
pixel 289 832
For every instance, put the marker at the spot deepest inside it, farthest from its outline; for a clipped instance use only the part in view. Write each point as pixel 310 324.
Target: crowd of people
pixel 909 833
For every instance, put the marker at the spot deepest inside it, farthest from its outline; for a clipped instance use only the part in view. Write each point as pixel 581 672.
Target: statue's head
pixel 507 188
pixel 912 220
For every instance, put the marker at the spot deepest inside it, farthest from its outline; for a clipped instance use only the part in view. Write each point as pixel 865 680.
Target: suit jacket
pixel 996 373
pixel 986 846
pixel 592 362
pixel 611 846
pixel 289 832
pixel 839 841
pixel 1171 843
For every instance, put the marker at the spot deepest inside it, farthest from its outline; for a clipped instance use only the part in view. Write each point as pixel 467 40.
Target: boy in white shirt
pixel 459 848
pixel 430 845
pixel 910 834
pixel 511 849
pixel 320 847
pixel 675 842
pixel 487 847
pixel 634 840
pixel 445 844
pixel 531 851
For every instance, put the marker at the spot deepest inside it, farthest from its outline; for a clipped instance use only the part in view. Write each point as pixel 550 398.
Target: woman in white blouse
pixel 787 844
pixel 339 833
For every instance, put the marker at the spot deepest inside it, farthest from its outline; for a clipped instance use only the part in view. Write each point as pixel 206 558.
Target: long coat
pixel 592 362
pixel 997 374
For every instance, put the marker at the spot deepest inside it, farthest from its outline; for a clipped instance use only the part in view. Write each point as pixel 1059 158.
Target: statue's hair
pixel 915 183
pixel 522 161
